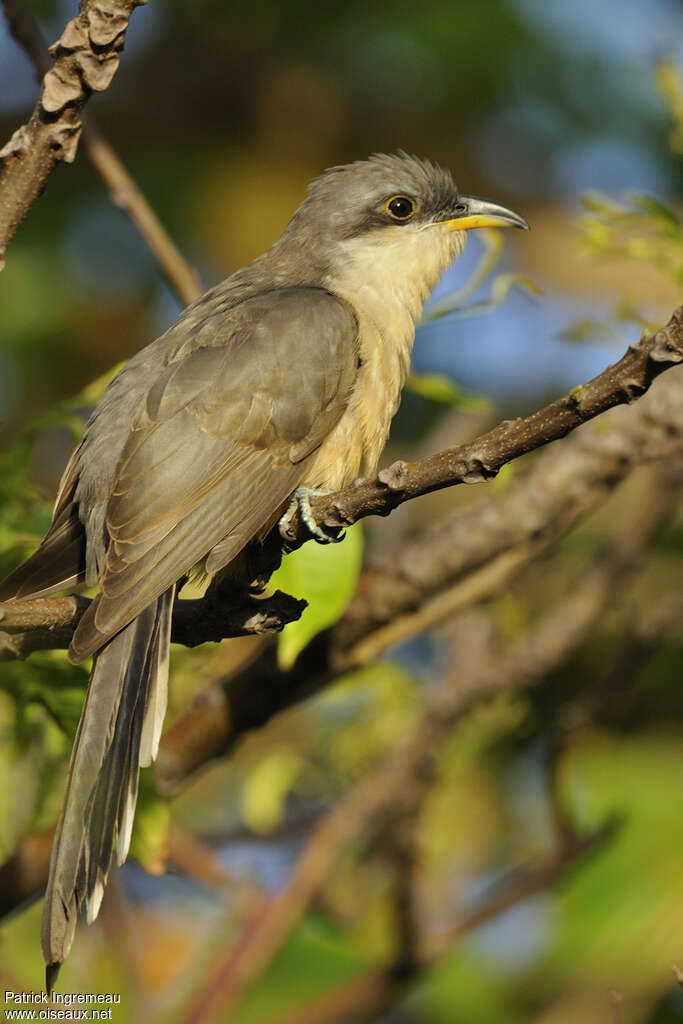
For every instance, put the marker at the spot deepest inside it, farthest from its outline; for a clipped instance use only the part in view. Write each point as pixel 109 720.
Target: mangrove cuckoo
pixel 281 379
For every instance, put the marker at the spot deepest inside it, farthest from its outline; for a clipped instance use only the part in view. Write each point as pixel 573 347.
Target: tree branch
pixel 86 58
pixel 459 561
pixel 548 644
pixel 181 277
pixel 560 486
pixel 482 459
pixel 126 194
pixel 620 383
pixel 49 623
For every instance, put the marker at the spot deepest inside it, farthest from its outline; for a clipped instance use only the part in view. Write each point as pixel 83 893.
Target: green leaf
pixel 598 202
pixel 438 387
pixel 606 913
pixel 325 576
pixel 366 713
pixel 504 282
pixel 656 208
pixel 266 787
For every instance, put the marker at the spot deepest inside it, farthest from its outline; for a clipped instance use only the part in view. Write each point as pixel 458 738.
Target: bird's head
pixel 387 220
pixel 387 193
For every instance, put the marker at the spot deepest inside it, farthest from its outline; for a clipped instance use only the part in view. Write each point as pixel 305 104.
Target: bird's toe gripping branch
pixel 301 503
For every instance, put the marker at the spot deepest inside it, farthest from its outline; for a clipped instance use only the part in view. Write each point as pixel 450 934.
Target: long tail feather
pixel 118 731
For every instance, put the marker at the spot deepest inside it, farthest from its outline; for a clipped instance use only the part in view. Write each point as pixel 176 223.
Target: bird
pixel 279 382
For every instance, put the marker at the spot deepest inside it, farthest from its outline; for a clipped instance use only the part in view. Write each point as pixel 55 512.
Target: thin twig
pixel 198 860
pixel 126 194
pixel 479 585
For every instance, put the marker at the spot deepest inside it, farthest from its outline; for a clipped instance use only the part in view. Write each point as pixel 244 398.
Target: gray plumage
pixel 119 732
pixel 286 374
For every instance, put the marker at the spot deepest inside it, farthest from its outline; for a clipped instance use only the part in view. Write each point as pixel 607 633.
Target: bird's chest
pixel 355 445
pixel 385 284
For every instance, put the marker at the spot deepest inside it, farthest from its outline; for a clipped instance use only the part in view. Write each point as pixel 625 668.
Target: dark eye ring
pixel 400 207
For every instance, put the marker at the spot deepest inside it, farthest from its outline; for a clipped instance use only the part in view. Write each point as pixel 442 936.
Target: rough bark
pixel 86 57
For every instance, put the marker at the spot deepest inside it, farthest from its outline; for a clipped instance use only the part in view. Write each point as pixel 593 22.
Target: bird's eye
pixel 461 208
pixel 400 207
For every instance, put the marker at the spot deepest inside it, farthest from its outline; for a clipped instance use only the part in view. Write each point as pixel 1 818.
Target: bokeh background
pixel 223 112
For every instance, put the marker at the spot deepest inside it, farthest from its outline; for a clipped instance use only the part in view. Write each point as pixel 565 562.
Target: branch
pixel 549 643
pixel 462 560
pixel 86 60
pixel 49 623
pixel 181 277
pixel 563 484
pixel 620 383
pixel 482 459
pixel 25 872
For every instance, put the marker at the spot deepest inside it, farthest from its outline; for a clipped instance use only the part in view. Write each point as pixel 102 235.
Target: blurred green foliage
pixel 326 577
pixel 24 512
pixel 643 229
pixel 437 387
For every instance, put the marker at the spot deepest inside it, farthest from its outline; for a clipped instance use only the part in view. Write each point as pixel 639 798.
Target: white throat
pixel 387 275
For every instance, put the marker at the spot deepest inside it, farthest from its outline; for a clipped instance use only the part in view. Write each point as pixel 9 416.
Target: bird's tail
pixel 118 732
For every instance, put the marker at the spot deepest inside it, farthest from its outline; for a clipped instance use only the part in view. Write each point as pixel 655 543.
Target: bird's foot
pixel 301 501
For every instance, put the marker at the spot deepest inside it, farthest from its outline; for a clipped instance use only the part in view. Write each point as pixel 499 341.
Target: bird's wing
pixel 221 439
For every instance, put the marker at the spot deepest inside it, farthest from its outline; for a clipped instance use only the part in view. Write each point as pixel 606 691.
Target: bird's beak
pixel 481 213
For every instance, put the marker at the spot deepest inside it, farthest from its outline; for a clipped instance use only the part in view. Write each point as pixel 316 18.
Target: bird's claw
pixel 301 501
